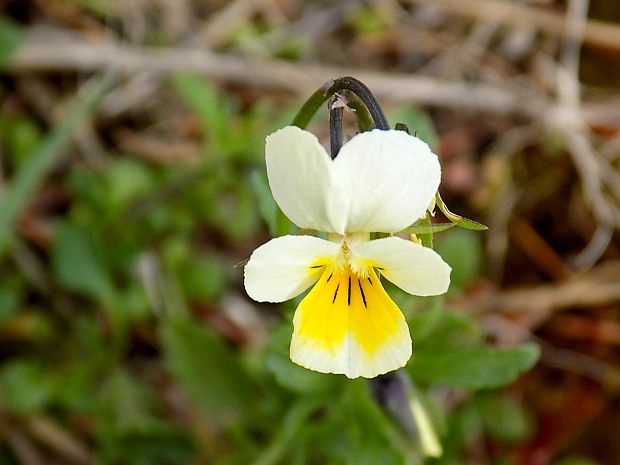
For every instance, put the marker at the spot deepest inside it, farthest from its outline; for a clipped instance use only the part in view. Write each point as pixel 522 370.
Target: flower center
pixel 346 260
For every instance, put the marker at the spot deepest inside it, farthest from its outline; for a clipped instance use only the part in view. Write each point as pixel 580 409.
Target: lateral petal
pixel 299 173
pixel 286 266
pixel 415 269
pixel 388 179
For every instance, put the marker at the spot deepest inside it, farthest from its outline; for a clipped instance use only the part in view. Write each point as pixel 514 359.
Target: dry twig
pixel 59 52
pixel 597 287
pixel 519 15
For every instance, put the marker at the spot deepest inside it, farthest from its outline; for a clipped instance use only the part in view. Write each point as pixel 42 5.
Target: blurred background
pixel 133 187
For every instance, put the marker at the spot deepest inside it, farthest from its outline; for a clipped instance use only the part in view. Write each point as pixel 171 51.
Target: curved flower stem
pixel 347 83
pixel 364 119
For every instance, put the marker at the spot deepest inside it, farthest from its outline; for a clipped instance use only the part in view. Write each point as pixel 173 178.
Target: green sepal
pixel 458 220
pixel 426 238
pixel 418 228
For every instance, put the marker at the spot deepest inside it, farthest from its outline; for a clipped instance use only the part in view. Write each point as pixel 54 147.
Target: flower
pixel 381 181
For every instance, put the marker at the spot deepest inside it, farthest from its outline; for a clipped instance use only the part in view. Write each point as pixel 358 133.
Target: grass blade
pixel 31 173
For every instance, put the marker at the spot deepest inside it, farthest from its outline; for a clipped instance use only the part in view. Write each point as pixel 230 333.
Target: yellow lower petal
pixel 348 324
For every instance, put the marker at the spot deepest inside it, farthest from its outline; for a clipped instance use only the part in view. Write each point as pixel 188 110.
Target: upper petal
pixel 299 173
pixel 415 269
pixel 388 179
pixel 286 266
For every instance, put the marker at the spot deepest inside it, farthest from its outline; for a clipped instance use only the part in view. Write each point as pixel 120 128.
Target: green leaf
pixel 423 323
pixel 291 376
pixel 504 418
pixel 437 330
pixel 77 261
pixel 473 367
pixel 296 378
pixel 32 172
pixel 462 250
pixel 203 279
pixel 458 219
pixel 368 21
pixel 127 403
pixel 203 99
pixel 11 37
pixel 9 303
pixel 278 223
pixel 23 136
pixel 295 418
pixel 205 368
pixel 24 387
pixel 266 205
pixel 125 180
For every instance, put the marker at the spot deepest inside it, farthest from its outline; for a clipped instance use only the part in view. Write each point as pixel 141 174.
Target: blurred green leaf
pixel 439 330
pixel 203 279
pixel 127 403
pixel 168 446
pixel 205 368
pixel 9 302
pixel 462 250
pixel 237 212
pixel 418 122
pixel 504 418
pixel 34 169
pixel 473 367
pixel 23 136
pixel 366 452
pixel 296 378
pixel 278 223
pixel 290 425
pixel 24 387
pixel 423 323
pixel 292 49
pixel 367 21
pixel 126 179
pixel 90 190
pixel 11 37
pixel 202 98
pixel 291 376
pixel 266 204
pixel 77 261
pixel 464 428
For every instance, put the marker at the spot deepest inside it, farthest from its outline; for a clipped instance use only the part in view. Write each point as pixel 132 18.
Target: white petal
pixel 415 269
pixel 281 269
pixel 388 178
pixel 350 359
pixel 299 172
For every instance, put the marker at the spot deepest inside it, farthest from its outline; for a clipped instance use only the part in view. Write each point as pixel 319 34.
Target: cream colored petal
pixel 415 269
pixel 299 173
pixel 387 178
pixel 350 359
pixel 286 266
